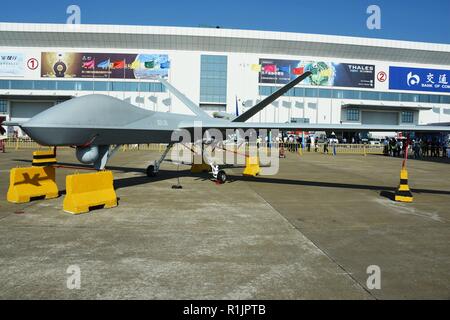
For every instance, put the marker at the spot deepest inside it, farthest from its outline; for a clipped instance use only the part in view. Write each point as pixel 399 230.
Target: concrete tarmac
pixel 309 232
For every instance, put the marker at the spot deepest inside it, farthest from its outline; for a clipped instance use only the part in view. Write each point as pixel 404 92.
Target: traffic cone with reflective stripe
pixel 403 193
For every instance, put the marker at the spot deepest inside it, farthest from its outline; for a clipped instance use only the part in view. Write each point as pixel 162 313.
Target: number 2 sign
pixel 382 76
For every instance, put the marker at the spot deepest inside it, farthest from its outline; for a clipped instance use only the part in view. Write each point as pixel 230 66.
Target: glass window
pixel 144 87
pixel 389 96
pixel 154 87
pixel 352 114
pixel 351 94
pixel 264 91
pixel 424 98
pixel 325 93
pixel 3 106
pixel 370 95
pixel 45 85
pixel 409 97
pixel 118 86
pixel 158 87
pixel 407 117
pixel 434 98
pixel 445 99
pixel 86 85
pixel 290 93
pixel 21 84
pixel 311 93
pixel 66 85
pixel 339 94
pixel 4 84
pixel 101 85
pixel 78 85
pixel 299 92
pixel 131 86
pixel 213 78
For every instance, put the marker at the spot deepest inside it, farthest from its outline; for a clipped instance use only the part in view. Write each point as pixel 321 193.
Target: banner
pixel 419 79
pixel 104 65
pixel 323 73
pixel 12 65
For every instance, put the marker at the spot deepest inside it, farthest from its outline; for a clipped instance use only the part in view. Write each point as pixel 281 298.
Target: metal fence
pixel 18 144
pixel 362 149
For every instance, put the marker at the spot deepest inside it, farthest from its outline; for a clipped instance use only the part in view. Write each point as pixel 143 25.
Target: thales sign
pixel 419 79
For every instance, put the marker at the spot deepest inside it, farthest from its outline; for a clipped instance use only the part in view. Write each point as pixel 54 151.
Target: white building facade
pixel 355 80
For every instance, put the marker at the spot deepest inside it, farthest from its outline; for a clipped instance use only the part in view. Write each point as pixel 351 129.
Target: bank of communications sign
pixel 419 79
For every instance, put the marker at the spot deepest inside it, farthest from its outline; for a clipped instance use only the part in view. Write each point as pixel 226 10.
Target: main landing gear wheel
pixel 222 176
pixel 151 171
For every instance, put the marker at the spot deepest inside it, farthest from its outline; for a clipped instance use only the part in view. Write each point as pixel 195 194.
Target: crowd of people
pixel 394 147
pixel 419 147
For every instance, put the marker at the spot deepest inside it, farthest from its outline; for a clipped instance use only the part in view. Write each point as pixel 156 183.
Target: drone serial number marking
pixel 162 123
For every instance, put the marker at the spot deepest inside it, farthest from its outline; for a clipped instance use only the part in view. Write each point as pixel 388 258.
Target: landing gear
pixel 221 176
pixel 152 170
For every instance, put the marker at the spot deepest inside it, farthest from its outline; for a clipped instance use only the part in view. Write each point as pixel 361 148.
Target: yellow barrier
pixel 44 158
pixel 85 191
pixel 32 182
pixel 251 167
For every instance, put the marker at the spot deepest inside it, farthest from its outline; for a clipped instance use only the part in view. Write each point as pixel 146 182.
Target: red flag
pixel 119 64
pixel 298 71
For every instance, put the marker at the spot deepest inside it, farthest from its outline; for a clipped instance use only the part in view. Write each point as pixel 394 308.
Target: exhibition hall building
pixel 354 80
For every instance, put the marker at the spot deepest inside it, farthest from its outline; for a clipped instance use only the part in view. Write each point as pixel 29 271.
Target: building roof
pixel 221 40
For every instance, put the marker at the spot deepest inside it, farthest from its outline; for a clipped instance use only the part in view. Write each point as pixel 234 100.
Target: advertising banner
pixel 419 79
pixel 12 65
pixel 323 73
pixel 104 65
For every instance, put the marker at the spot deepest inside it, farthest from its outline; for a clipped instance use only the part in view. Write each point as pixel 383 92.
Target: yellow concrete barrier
pixel 85 191
pixel 31 182
pixel 403 193
pixel 251 167
pixel 44 158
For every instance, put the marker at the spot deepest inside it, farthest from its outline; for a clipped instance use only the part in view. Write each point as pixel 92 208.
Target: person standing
pixel 444 149
pixel 325 146
pixel 416 149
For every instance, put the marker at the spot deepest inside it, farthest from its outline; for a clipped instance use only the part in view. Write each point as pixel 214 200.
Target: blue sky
pixel 415 20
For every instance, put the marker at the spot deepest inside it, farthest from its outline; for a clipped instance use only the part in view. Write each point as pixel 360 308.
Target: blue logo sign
pixel 419 79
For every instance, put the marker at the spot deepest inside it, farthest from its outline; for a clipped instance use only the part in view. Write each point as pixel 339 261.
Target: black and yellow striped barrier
pixel 44 158
pixel 403 193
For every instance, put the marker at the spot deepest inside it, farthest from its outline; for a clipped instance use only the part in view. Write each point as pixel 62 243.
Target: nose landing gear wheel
pixel 151 171
pixel 221 176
